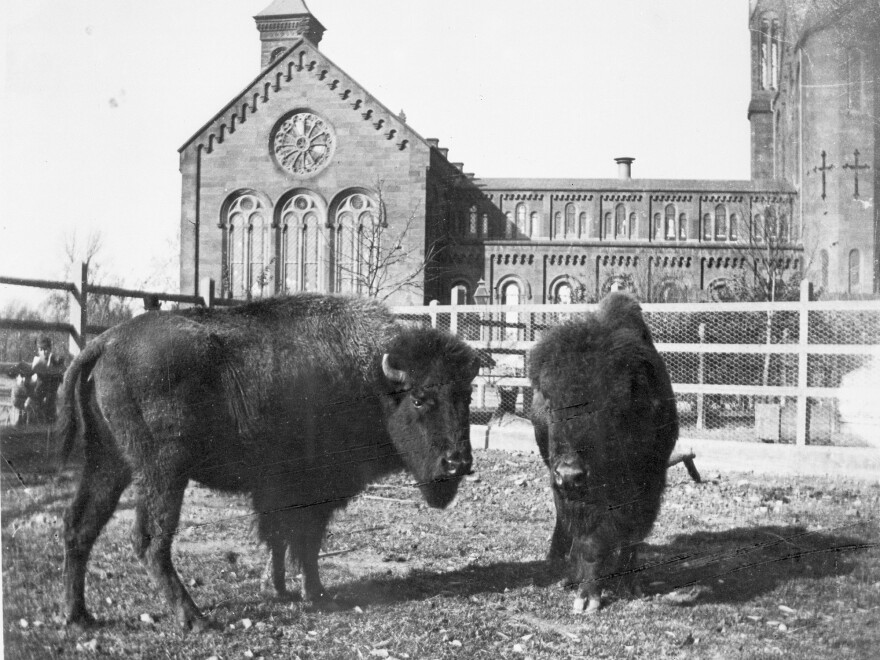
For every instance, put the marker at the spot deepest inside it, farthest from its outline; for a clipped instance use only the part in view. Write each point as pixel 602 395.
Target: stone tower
pixel 766 52
pixel 281 24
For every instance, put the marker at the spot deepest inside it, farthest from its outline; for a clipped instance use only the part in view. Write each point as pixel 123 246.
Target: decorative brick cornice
pixel 725 262
pixel 283 70
pixel 295 24
pixel 514 259
pixel 522 196
pixel 665 197
pixel 566 259
pixel 671 261
pixel 722 199
pixel 622 197
pixel 626 260
pixel 572 197
pixel 772 199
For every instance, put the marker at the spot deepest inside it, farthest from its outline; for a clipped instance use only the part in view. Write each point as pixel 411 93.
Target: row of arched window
pixel 299 244
pixel 621 223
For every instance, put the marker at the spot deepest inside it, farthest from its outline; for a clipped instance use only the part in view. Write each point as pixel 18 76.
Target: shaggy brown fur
pixel 605 422
pixel 285 399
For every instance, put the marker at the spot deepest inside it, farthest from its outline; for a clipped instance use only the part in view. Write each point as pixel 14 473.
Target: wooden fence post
pixel 803 348
pixel 207 291
pixel 78 313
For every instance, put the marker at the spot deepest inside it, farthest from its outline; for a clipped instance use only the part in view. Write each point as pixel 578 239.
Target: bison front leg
pixel 306 545
pixel 156 517
pixel 275 572
pixel 560 542
pixel 588 556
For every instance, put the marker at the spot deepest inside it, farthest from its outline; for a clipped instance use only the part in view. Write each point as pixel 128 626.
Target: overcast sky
pixel 98 95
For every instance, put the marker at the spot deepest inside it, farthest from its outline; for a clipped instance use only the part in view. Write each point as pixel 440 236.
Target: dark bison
pixel 605 422
pixel 300 401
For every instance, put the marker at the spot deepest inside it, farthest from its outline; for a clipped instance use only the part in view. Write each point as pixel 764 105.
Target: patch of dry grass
pixel 741 566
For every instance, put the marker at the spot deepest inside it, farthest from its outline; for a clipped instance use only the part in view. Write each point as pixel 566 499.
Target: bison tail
pixel 73 397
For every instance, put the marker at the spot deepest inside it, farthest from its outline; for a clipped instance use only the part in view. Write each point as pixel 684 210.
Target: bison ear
pixel 392 374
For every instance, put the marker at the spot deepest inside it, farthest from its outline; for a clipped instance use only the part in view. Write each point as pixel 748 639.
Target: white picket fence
pixel 825 358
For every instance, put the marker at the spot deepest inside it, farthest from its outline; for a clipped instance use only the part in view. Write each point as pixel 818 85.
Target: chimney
pixel 434 142
pixel 624 167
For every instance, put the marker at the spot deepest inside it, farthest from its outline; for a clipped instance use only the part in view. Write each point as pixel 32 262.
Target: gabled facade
pixel 305 181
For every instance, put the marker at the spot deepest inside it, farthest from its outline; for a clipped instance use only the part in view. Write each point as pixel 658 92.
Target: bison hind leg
pixel 156 517
pixel 103 480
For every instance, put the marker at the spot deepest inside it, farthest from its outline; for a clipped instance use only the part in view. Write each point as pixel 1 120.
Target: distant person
pixel 21 394
pixel 48 372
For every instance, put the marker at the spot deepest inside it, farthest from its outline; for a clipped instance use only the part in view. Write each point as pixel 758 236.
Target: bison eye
pixel 417 402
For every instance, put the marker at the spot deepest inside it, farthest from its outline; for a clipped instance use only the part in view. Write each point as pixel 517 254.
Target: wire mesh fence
pixel 791 372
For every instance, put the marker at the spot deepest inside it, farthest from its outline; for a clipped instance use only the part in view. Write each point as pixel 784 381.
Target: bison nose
pixel 454 463
pixel 568 474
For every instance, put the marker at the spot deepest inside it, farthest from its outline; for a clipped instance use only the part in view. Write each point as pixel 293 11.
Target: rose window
pixel 303 143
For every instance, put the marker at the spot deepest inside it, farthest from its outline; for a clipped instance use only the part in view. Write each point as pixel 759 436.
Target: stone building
pixel 305 181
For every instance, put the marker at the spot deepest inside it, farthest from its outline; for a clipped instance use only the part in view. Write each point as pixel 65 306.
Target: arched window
pixel 607 227
pixel 521 229
pixel 562 293
pixel 247 262
pixel 670 222
pixel 720 223
pixel 510 295
pixel 570 228
pixel 758 228
pixel 558 229
pixel 734 226
pixel 582 224
pixel 682 226
pixel 854 79
pixel 459 294
pixel 356 236
pixel 823 269
pixel 770 226
pixel 769 39
pixel 707 226
pixel 853 271
pixel 658 226
pixel 473 229
pixel 484 227
pixel 300 225
pixel 534 226
pixel 632 225
pixel 508 225
pixel 782 226
pixel 620 221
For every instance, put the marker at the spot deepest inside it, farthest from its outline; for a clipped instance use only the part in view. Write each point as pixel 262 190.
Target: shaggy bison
pixel 605 422
pixel 300 401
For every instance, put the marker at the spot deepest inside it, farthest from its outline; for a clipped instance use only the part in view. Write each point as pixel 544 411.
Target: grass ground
pixel 739 566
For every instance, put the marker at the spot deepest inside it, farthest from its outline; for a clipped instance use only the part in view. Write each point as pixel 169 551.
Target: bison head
pixel 426 405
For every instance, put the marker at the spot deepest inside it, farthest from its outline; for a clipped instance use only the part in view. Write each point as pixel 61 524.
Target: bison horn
pixel 392 374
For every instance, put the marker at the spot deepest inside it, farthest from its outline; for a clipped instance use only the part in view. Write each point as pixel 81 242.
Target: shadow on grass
pixel 732 566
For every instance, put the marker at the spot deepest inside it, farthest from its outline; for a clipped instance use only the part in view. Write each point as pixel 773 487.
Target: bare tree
pixel 103 310
pixel 385 262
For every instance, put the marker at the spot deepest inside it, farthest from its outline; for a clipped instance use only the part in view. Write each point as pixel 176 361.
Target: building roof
pixel 645 185
pixel 285 8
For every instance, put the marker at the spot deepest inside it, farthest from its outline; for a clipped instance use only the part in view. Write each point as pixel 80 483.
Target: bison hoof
pixel 80 620
pixel 582 606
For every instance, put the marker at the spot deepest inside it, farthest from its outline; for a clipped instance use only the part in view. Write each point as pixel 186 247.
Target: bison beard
pixel 605 423
pixel 300 401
